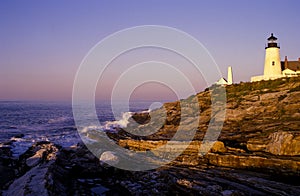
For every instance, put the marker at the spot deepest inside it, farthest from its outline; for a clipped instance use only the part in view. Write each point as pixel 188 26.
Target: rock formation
pixel 257 152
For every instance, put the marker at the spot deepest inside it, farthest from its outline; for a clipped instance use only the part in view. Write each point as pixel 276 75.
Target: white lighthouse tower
pixel 272 68
pixel 229 76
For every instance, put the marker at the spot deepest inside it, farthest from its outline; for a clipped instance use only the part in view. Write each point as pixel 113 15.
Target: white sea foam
pixel 111 126
pixel 90 128
pixel 17 139
pixel 122 123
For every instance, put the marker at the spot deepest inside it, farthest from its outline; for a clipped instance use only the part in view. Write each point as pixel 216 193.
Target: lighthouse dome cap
pixel 272 37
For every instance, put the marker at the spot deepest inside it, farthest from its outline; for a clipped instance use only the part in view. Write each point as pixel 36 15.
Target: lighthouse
pixel 272 69
pixel 229 76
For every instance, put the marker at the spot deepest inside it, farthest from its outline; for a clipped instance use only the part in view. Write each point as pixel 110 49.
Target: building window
pixel 273 62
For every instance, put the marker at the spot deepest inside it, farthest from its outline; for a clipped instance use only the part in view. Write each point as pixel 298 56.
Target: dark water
pixel 47 121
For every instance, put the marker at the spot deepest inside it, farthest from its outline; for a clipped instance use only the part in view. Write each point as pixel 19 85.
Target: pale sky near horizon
pixel 42 43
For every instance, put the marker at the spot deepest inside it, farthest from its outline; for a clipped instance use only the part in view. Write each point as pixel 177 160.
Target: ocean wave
pixel 110 126
pixel 23 124
pixel 58 120
pixel 86 129
pixel 8 127
pixel 122 123
pixel 17 139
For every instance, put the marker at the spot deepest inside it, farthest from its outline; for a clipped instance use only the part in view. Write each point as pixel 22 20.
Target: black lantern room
pixel 272 42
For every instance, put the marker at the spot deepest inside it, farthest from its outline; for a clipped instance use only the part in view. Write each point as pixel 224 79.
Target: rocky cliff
pixel 261 130
pixel 256 153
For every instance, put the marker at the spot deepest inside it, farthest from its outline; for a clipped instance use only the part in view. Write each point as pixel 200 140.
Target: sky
pixel 42 43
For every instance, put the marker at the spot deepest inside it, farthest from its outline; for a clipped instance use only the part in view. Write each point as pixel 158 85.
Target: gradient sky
pixel 42 43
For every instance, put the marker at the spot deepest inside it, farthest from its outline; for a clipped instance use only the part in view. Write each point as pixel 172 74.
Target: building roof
pixel 292 65
pixel 222 81
pixel 288 71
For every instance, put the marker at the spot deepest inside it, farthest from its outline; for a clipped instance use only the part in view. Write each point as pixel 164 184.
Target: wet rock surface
pixel 75 171
pixel 30 170
pixel 7 165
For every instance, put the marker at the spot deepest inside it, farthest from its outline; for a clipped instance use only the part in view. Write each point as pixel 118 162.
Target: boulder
pixel 109 157
pixel 32 180
pixel 284 143
pixel 218 147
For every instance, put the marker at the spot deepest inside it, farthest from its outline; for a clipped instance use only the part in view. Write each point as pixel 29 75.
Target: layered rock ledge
pixel 47 169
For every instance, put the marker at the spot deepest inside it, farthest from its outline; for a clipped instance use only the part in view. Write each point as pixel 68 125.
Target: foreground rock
pixel 75 171
pixel 32 168
pixel 7 165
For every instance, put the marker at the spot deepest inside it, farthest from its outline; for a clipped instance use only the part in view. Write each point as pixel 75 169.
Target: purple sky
pixel 42 43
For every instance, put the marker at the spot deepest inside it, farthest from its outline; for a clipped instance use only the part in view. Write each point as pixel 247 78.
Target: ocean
pixel 25 122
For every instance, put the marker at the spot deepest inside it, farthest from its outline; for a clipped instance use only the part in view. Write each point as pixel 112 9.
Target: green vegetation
pixel 236 91
pixel 258 86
